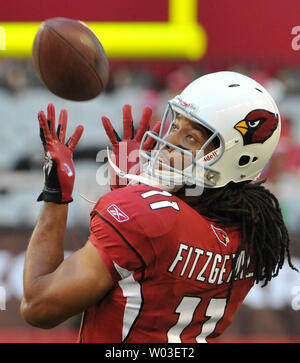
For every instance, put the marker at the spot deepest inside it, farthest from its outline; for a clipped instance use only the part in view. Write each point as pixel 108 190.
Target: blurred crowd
pixel 22 95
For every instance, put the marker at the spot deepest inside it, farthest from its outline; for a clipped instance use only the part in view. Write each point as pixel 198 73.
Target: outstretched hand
pixel 125 152
pixel 58 160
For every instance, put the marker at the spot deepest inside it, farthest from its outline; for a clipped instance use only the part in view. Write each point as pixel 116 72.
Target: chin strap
pixel 88 200
pixel 142 178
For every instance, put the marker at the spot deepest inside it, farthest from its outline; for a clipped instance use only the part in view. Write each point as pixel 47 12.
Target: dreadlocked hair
pixel 255 211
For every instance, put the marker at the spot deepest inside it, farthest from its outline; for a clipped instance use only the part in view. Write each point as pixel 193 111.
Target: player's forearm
pixel 45 250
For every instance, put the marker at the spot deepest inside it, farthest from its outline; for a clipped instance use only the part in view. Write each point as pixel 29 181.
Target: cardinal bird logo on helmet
pixel 258 126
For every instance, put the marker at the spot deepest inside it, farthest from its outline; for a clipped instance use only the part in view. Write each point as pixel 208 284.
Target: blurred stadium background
pixel 155 49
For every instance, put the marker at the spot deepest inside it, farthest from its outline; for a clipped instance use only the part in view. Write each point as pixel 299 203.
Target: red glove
pixel 58 161
pixel 125 153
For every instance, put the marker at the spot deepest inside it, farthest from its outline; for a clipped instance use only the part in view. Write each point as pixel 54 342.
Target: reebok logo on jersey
pixel 116 212
pixel 221 235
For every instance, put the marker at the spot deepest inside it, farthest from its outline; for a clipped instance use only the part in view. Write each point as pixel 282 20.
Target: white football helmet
pixel 244 124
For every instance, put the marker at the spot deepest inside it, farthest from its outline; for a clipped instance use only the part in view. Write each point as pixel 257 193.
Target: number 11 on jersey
pixel 187 308
pixel 161 204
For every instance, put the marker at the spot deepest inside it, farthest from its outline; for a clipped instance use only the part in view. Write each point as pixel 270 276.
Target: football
pixel 69 59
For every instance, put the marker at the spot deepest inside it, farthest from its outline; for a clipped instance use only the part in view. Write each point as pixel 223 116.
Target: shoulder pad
pixel 147 210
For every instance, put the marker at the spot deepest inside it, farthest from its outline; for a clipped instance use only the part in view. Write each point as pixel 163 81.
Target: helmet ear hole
pixel 244 160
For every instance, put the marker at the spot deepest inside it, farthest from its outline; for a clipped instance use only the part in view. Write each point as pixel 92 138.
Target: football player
pixel 172 255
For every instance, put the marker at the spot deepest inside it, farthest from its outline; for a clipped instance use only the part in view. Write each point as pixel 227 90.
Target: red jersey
pixel 171 268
